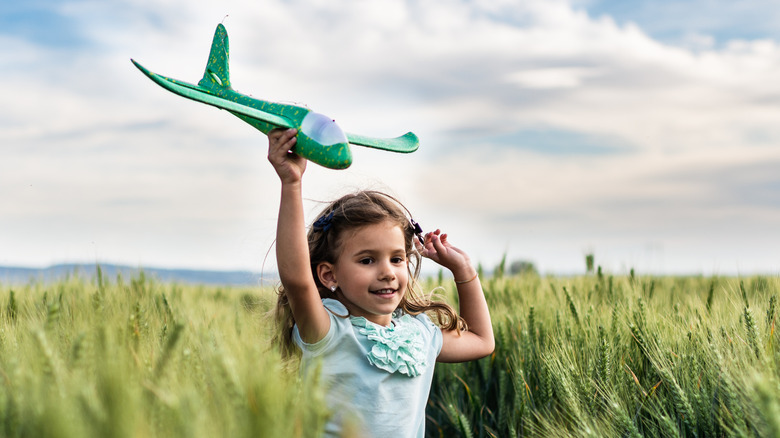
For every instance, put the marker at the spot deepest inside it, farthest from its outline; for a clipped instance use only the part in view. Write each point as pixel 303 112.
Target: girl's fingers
pixel 280 139
pixel 289 136
pixel 438 244
pixel 280 142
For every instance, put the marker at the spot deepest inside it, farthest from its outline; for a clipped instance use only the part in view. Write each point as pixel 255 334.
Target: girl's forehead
pixel 384 235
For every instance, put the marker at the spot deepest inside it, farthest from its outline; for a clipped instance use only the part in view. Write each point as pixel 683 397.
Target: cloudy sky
pixel 645 132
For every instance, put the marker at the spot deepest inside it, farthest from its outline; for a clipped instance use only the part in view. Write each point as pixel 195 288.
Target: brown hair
pixel 325 242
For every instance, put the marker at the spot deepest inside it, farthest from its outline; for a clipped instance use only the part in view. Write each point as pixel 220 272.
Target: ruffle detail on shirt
pixel 396 349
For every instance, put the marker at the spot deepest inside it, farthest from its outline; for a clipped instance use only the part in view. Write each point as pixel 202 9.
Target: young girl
pixel 348 302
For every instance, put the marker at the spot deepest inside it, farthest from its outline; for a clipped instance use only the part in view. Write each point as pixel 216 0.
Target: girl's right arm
pixel 292 248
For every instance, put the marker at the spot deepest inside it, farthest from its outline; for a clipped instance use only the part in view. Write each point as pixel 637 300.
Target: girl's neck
pixel 382 319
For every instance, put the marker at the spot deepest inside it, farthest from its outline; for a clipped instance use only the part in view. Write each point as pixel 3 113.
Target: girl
pixel 348 302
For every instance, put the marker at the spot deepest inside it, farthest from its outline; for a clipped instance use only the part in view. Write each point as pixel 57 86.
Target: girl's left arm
pixel 478 341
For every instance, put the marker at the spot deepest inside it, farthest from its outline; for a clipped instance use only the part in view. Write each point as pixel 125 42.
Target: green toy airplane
pixel 320 139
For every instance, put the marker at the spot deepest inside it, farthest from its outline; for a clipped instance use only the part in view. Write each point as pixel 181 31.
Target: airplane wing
pixel 199 94
pixel 405 144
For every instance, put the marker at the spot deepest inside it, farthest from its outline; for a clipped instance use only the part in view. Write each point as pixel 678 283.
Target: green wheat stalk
pixel 752 332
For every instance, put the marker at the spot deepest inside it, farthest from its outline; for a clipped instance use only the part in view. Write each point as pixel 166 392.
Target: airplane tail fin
pixel 217 73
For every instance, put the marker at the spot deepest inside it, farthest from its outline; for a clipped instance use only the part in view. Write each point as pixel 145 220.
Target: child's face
pixel 372 271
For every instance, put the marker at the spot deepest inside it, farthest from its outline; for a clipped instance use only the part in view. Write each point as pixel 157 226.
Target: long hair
pixel 325 244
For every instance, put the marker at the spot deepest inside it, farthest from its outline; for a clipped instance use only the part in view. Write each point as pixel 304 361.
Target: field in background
pixel 594 355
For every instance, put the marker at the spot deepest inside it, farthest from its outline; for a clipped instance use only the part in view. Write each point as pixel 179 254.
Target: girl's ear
pixel 326 275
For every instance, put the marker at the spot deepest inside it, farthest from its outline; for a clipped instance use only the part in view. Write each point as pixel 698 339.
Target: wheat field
pixel 593 355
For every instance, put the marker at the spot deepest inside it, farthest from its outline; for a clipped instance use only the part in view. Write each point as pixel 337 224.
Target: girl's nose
pixel 386 271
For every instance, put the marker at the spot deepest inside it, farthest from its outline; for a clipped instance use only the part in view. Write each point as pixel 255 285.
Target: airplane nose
pixel 322 129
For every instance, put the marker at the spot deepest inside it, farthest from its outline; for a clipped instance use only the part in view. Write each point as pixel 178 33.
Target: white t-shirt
pixel 378 378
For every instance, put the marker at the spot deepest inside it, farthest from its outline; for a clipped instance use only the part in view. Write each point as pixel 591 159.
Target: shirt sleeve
pixel 319 347
pixel 432 331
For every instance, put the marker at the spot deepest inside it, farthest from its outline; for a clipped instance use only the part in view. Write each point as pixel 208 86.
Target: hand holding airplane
pixel 320 139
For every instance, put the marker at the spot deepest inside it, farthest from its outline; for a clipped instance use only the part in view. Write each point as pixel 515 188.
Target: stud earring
pixel 333 288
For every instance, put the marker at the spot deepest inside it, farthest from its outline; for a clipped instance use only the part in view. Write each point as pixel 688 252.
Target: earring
pixel 333 288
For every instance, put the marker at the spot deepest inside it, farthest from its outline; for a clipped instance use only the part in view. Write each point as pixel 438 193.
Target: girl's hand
pixel 439 249
pixel 288 166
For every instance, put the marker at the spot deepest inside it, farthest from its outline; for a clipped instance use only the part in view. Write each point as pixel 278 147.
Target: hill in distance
pixel 22 275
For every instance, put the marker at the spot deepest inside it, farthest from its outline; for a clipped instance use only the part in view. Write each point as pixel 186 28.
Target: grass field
pixel 596 355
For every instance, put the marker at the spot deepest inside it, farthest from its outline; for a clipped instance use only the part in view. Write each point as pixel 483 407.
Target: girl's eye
pixel 397 259
pixel 365 261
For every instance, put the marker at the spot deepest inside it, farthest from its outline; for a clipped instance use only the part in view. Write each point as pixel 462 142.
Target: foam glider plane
pixel 320 139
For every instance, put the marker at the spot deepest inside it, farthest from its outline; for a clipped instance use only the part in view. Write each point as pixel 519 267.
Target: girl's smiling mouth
pixel 383 291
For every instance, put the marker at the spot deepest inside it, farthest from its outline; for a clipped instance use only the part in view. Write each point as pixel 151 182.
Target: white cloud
pixel 566 77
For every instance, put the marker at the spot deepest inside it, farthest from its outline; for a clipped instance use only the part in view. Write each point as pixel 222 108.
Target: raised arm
pixel 478 341
pixel 292 249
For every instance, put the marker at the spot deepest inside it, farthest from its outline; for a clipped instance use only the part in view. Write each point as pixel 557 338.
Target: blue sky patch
pixel 680 22
pixel 40 23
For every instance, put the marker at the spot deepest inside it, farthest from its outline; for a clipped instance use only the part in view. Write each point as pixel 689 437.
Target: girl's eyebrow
pixel 364 252
pixel 371 251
